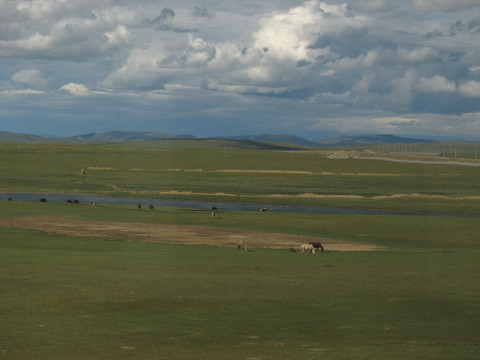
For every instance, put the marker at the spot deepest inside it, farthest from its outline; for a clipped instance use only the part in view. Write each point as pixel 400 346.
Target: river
pixel 203 205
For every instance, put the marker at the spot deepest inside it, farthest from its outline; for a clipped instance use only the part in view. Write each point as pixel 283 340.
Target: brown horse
pixel 317 246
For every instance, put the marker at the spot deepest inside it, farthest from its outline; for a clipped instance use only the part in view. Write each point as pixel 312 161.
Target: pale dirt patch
pixel 298 172
pixel 343 154
pixel 425 196
pixel 375 174
pixel 176 234
pixel 100 168
pixel 317 196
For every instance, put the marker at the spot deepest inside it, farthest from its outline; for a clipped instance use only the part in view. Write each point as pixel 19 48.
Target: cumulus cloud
pixel 393 60
pixel 78 89
pixel 437 84
pixel 54 29
pixel 470 89
pixel 395 123
pixel 34 79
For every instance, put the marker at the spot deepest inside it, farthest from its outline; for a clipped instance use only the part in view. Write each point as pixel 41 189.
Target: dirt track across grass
pixel 175 234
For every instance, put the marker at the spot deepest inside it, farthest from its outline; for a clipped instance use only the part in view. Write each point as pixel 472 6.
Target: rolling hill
pixel 282 141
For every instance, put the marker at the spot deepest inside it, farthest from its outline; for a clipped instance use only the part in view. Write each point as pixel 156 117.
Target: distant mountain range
pixel 284 139
pixel 120 136
pixel 369 139
pixel 125 136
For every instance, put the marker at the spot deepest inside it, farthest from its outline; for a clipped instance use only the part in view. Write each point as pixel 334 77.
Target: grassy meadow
pixel 65 297
pixel 157 170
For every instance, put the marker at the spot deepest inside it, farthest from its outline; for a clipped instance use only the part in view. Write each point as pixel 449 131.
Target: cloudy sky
pixel 241 67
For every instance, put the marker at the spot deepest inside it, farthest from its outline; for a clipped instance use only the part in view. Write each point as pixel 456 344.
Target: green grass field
pixel 65 298
pixel 235 175
pixel 84 298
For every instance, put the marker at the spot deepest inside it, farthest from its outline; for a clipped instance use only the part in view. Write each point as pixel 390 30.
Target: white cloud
pixel 366 59
pixel 21 92
pixel 76 89
pixel 55 29
pixel 396 124
pixel 436 84
pixel 416 55
pixel 470 89
pixel 33 78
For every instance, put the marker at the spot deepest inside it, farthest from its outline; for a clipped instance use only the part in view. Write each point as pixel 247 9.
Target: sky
pixel 241 67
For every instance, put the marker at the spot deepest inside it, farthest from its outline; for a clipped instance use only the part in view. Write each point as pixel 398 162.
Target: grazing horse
pixel 151 207
pixel 308 248
pixel 241 245
pixel 317 245
pixel 263 209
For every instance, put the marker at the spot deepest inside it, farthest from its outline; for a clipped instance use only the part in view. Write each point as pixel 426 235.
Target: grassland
pixel 158 170
pixel 71 297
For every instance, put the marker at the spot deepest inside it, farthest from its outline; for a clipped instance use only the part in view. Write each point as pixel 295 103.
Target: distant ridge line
pixel 278 140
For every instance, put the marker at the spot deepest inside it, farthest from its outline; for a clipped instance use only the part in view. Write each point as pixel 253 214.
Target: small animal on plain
pixel 317 245
pixel 213 214
pixel 308 248
pixel 151 207
pixel 241 246
pixel 43 200
pixel 263 210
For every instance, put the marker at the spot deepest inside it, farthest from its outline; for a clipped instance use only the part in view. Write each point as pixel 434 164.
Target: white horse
pixel 308 248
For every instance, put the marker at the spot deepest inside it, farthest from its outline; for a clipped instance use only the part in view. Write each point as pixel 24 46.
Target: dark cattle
pixel 317 246
pixel 69 201
pixel 214 208
pixel 76 202
pixel 139 205
pixel 43 200
pixel 151 207
pixel 9 199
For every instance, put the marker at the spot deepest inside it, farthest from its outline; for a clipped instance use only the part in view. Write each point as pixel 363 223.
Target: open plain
pixel 122 282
